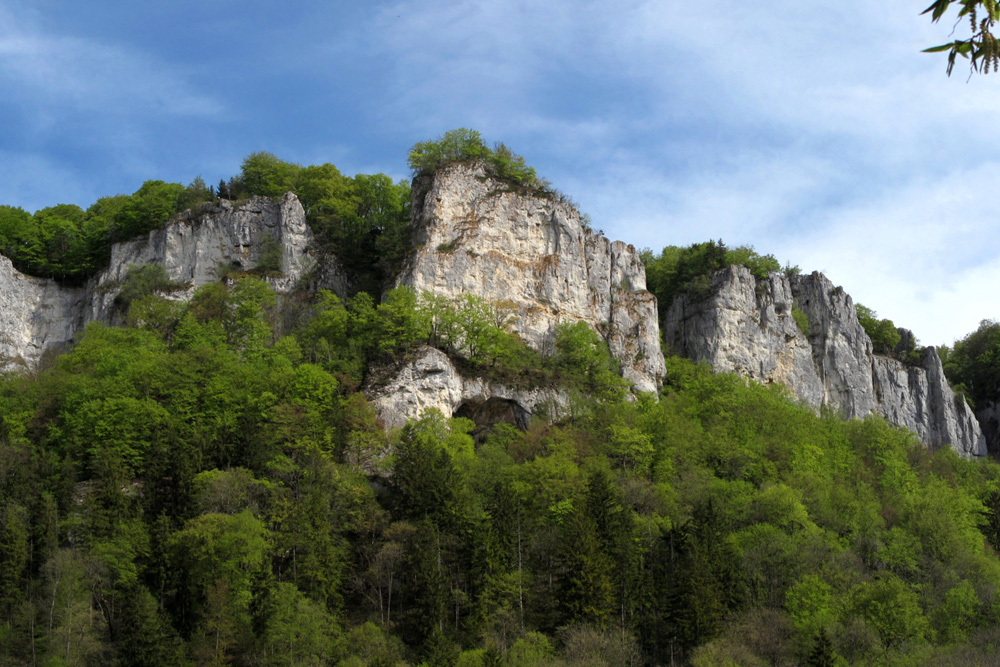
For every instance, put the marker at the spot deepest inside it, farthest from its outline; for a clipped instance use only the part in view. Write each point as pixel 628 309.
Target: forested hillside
pixel 198 488
pixel 208 484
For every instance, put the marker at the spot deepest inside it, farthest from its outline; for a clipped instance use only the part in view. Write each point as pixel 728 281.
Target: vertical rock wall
pixel 35 315
pixel 746 326
pixel 476 235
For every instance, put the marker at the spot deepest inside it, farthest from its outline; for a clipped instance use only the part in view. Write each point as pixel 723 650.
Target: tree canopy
pixel 207 486
pixel 973 364
pixel 676 270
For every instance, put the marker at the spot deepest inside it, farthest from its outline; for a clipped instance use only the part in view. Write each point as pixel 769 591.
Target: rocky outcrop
pixel 920 398
pixel 748 326
pixel 430 380
pixel 195 249
pixel 200 249
pixel 477 235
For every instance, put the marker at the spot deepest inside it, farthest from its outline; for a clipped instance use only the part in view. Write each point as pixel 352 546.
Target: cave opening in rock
pixel 493 411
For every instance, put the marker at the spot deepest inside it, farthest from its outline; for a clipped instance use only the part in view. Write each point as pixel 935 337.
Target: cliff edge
pixel 474 234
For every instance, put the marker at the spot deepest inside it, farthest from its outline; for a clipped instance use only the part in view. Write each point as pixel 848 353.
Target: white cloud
pixel 921 254
pixel 815 131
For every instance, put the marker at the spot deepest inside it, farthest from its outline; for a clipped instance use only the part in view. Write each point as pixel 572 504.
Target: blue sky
pixel 814 131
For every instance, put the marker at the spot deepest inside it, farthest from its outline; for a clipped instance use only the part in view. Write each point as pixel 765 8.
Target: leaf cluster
pixel 972 365
pixel 982 48
pixel 886 338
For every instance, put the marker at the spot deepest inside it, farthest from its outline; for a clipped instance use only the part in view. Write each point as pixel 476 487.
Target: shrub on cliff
pixel 147 209
pixel 463 145
pixel 677 270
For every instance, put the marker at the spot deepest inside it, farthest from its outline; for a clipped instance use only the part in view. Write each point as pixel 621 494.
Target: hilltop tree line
pixel 973 364
pixel 363 219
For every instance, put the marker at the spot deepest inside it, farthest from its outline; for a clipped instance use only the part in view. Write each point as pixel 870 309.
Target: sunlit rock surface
pixel 746 326
pixel 430 380
pixel 477 235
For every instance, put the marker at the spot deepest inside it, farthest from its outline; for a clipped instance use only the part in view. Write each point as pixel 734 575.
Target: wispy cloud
pixel 815 131
pixel 73 73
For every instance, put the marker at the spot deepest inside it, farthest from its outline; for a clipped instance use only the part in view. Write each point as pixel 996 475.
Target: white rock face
pixel 38 314
pixel 35 315
pixel 475 236
pixel 842 350
pixel 746 326
pixel 432 381
pixel 919 398
pixel 194 249
pixel 741 329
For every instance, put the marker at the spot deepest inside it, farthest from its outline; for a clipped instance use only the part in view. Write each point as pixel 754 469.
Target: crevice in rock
pixel 492 411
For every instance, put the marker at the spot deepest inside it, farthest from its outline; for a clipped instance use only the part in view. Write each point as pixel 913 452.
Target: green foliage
pixel 801 320
pixel 147 209
pixel 973 365
pixel 464 145
pixel 143 280
pixel 195 195
pixel 247 315
pixel 265 175
pixel 584 358
pixel 689 270
pixel 883 333
pixel 299 632
pixel 61 242
pixel 208 491
pixel 364 220
pixel 453 146
pixel 981 48
pixel 891 608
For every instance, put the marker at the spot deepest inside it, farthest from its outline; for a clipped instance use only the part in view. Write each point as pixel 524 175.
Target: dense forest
pixel 207 485
pixel 197 488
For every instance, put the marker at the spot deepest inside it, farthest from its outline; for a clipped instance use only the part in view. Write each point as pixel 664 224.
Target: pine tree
pixel 822 652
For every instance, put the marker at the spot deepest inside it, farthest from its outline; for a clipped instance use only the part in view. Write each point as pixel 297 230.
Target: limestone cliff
pixel 474 234
pixel 746 326
pixel 38 314
pixel 477 235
